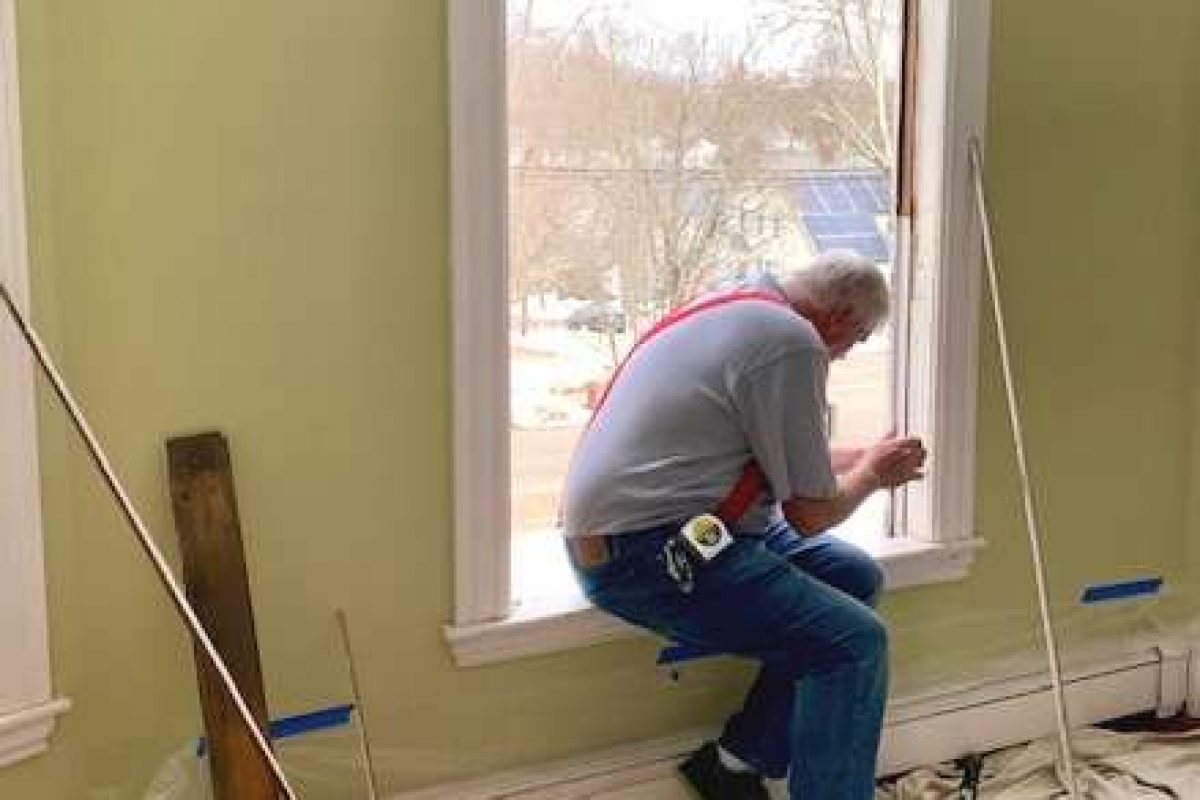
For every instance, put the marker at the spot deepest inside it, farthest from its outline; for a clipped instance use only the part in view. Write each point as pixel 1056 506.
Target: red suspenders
pixel 751 481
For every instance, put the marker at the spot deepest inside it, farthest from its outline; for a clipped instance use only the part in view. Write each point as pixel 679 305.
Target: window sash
pixel 945 253
pixel 479 255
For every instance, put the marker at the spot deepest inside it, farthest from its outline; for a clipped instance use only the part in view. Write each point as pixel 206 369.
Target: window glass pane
pixel 658 148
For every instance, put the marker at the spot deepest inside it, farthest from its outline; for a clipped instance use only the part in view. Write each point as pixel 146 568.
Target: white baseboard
pixel 25 733
pixel 931 727
pixel 942 725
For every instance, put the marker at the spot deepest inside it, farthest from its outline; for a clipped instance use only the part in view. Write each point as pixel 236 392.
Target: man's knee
pixel 873 637
pixel 847 568
pixel 864 645
pixel 873 580
pixel 864 579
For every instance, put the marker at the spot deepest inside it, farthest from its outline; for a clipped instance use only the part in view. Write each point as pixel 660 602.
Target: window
pixel 27 711
pixel 612 159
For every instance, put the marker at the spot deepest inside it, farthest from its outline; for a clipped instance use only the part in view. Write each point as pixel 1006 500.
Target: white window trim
pixel 953 110
pixel 486 627
pixel 27 710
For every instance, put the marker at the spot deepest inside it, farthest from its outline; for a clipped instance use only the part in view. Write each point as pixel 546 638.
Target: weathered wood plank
pixel 214 571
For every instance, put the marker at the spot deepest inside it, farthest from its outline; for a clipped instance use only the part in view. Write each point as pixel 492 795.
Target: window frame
pixel 27 708
pixel 940 544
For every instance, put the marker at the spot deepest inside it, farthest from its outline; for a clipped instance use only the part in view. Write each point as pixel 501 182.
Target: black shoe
pixel 712 780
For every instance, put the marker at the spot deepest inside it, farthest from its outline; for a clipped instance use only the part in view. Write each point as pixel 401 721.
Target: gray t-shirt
pixel 692 406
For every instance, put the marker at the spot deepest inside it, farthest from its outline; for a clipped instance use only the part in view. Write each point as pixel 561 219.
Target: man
pixel 721 408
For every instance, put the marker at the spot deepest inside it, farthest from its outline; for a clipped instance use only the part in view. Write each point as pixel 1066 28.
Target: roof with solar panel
pixel 841 210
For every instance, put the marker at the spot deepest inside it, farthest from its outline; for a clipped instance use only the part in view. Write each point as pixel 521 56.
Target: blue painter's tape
pixel 1103 592
pixel 677 653
pixel 312 721
pixel 285 727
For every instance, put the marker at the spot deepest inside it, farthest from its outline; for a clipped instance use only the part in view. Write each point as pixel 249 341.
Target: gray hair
pixel 840 279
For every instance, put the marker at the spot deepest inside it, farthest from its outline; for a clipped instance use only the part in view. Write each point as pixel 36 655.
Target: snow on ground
pixel 552 370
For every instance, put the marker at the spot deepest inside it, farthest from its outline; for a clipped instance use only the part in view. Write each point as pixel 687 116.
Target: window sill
pixel 570 623
pixel 26 733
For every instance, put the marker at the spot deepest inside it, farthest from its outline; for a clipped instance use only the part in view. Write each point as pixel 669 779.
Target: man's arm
pixel 889 463
pixel 844 458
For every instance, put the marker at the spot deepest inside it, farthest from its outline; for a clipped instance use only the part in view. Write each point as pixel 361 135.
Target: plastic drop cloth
pixel 1109 766
pixel 322 765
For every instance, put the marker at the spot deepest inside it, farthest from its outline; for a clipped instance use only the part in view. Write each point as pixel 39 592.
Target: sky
pixel 727 20
pixel 728 16
pixel 724 21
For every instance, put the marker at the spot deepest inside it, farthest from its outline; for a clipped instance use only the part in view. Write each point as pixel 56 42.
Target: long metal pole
pixel 1035 541
pixel 178 599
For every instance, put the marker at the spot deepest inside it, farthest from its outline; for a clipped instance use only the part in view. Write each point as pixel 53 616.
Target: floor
pixel 651 783
pixel 659 782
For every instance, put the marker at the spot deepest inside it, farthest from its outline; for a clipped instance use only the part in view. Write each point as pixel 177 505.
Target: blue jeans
pixel 803 606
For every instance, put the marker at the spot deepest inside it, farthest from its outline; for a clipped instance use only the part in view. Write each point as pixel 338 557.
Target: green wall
pixel 239 219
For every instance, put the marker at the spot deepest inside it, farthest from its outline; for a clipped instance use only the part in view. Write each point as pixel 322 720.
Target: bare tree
pixel 635 157
pixel 685 147
pixel 848 50
pixel 549 217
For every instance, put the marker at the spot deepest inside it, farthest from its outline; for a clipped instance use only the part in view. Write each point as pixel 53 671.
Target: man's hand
pixel 895 461
pixel 890 462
